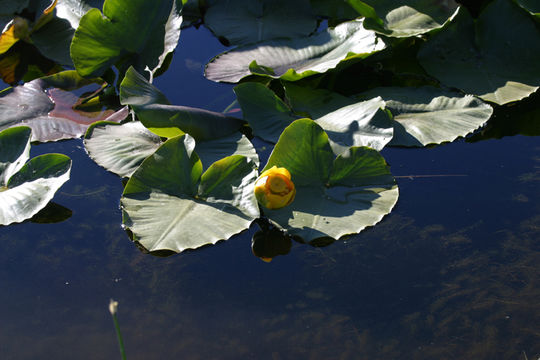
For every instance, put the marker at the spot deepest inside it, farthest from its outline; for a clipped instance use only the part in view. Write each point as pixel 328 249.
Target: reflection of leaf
pixel 428 115
pixel 155 112
pixel 26 190
pixel 479 56
pixel 166 209
pixel 295 58
pixel 139 33
pixel 334 196
pixel 415 18
pixel 242 22
pixel 50 112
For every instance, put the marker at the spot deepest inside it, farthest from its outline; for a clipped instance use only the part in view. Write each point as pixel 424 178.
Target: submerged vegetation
pixel 328 84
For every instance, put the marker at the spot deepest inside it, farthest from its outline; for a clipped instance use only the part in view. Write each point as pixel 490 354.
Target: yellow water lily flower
pixel 274 188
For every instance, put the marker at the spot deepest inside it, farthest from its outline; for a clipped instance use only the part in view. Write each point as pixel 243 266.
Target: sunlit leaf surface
pixel 121 148
pixel 295 58
pixel 26 188
pixel 404 18
pixel 359 123
pixel 428 115
pixel 334 196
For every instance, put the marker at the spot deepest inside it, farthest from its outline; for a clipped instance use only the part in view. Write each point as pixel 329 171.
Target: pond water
pixel 453 272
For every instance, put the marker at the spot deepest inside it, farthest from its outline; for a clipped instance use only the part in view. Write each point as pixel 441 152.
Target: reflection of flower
pixel 274 188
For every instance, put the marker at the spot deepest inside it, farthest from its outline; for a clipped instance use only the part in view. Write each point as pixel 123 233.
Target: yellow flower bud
pixel 274 188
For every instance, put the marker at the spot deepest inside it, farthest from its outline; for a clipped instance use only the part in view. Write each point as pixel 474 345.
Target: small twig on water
pixel 428 176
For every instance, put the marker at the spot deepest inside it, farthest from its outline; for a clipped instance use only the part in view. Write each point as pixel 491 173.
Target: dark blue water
pixel 452 273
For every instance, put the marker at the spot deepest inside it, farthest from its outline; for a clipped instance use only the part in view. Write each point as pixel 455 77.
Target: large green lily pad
pixel 293 59
pixel 170 204
pixel 27 187
pixel 139 33
pixel 496 56
pixel 335 196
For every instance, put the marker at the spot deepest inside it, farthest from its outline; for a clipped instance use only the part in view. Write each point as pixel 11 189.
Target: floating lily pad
pixel 480 56
pixel 50 111
pixel 170 204
pixel 121 148
pixel 428 115
pixel 166 120
pixel 393 18
pixel 242 22
pixel 295 58
pixel 362 123
pixel 27 187
pixel 334 196
pixel 139 33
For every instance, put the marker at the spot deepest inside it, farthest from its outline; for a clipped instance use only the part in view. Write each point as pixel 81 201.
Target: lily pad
pixel 166 120
pixel 27 187
pixel 362 123
pixel 241 22
pixel 429 115
pixel 392 18
pixel 293 59
pixel 121 148
pixel 50 111
pixel 139 33
pixel 479 56
pixel 170 204
pixel 335 196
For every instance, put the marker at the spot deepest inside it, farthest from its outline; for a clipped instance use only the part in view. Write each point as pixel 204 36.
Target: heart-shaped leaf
pixel 139 33
pixel 169 204
pixel 334 196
